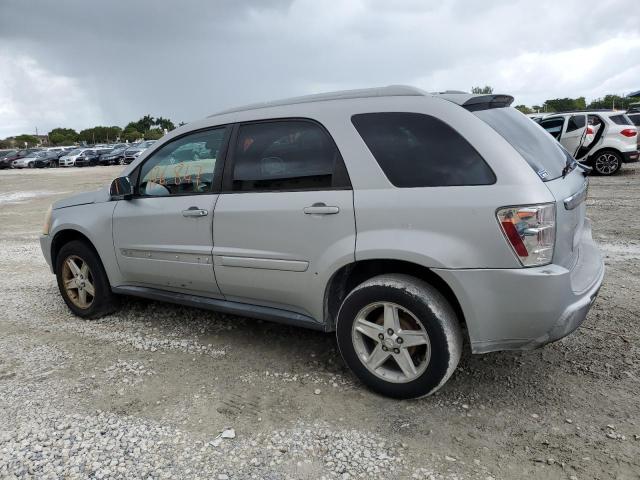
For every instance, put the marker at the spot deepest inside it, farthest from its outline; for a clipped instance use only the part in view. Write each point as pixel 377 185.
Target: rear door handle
pixel 321 209
pixel 194 212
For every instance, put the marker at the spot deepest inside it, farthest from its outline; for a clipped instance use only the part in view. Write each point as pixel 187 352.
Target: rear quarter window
pixel 635 119
pixel 417 150
pixel 540 150
pixel 620 120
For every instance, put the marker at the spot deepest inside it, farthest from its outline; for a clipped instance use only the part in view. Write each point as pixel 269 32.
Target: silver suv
pixel 408 223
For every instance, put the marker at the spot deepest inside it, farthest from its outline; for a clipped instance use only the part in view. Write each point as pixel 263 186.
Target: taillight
pixel 589 131
pixel 531 232
pixel 629 132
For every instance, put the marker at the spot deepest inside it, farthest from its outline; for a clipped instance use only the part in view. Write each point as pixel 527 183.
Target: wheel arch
pixel 347 277
pixel 65 236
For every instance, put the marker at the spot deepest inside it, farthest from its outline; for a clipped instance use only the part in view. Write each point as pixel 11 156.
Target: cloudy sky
pixel 80 63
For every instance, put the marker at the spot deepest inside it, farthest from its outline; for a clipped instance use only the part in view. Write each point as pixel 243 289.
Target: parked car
pixel 601 139
pixel 113 157
pixel 134 152
pixel 20 154
pixel 6 158
pixel 69 159
pixel 38 159
pixel 88 158
pixel 470 223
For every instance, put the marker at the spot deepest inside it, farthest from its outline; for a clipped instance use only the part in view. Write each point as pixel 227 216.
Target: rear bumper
pixel 525 308
pixel 628 157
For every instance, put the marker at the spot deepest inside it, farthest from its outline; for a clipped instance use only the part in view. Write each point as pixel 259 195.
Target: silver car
pixel 408 223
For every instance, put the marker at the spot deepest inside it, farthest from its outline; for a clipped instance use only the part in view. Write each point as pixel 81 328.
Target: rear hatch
pixel 555 167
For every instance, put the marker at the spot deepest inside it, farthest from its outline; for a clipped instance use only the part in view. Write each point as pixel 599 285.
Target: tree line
pixel 147 128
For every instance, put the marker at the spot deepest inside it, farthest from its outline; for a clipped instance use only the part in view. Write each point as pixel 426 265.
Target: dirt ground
pixel 146 392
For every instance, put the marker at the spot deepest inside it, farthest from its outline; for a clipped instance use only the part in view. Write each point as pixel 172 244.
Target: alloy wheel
pixel 607 163
pixel 391 342
pixel 77 279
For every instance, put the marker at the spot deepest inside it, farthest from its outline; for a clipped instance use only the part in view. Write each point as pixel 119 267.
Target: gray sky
pixel 81 63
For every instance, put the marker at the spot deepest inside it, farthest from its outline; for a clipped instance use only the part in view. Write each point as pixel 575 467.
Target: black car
pixel 113 157
pixel 88 158
pixel 6 157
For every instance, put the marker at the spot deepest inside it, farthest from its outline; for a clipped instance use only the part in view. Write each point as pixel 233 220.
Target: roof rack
pixel 389 91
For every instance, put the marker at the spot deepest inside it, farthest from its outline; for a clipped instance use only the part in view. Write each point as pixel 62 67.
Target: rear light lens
pixel 629 132
pixel 531 232
pixel 589 131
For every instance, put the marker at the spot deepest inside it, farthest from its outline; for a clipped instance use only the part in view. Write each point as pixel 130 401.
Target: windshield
pixel 76 151
pixel 537 147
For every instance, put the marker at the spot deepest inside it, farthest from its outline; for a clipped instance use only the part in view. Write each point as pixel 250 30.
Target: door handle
pixel 194 212
pixel 320 209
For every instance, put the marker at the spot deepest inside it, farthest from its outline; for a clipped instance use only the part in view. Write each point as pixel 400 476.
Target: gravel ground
pixel 162 391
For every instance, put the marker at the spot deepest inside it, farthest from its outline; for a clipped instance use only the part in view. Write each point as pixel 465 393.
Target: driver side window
pixel 184 166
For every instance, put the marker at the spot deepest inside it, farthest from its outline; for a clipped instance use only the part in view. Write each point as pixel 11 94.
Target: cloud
pixel 32 97
pixel 125 59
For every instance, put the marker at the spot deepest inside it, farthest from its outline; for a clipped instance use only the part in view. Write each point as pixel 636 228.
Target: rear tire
pixel 399 336
pixel 607 162
pixel 83 282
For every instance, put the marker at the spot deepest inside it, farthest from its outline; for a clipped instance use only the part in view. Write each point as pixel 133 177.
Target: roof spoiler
pixel 485 102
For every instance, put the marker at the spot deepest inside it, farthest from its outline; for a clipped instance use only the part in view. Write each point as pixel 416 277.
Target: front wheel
pixel 83 282
pixel 30 165
pixel 399 335
pixel 607 163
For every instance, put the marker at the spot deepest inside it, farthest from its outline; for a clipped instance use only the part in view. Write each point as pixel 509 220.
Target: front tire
pixel 83 282
pixel 399 336
pixel 607 162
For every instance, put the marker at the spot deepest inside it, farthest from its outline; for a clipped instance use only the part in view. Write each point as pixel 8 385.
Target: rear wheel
pixel 607 162
pixel 399 335
pixel 121 161
pixel 83 282
pixel 30 165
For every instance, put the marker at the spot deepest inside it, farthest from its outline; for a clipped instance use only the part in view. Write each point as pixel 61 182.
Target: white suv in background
pixel 601 139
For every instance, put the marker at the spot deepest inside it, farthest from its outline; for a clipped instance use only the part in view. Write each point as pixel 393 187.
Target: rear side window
pixel 417 150
pixel 537 147
pixel 286 155
pixel 553 126
pixel 620 120
pixel 576 122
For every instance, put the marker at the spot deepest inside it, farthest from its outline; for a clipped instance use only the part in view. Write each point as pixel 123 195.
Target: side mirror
pixel 121 189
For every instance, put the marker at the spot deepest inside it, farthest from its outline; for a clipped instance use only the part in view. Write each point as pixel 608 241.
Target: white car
pixel 601 139
pixel 69 160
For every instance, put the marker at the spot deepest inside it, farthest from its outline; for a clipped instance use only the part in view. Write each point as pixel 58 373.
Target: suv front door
pixel 163 236
pixel 285 217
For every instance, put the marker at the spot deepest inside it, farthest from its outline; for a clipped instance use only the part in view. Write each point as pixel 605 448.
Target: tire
pixel 421 309
pixel 607 162
pixel 121 161
pixel 103 301
pixel 30 165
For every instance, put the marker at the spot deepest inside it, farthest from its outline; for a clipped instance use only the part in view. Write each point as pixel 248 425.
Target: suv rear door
pixel 285 216
pixel 569 130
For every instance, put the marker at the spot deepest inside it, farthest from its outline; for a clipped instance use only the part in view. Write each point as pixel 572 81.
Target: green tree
pixel 565 104
pixel 30 140
pixel 524 109
pixel 164 123
pixel 145 123
pixel 131 133
pixel 612 101
pixel 153 134
pixel 486 90
pixel 63 136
